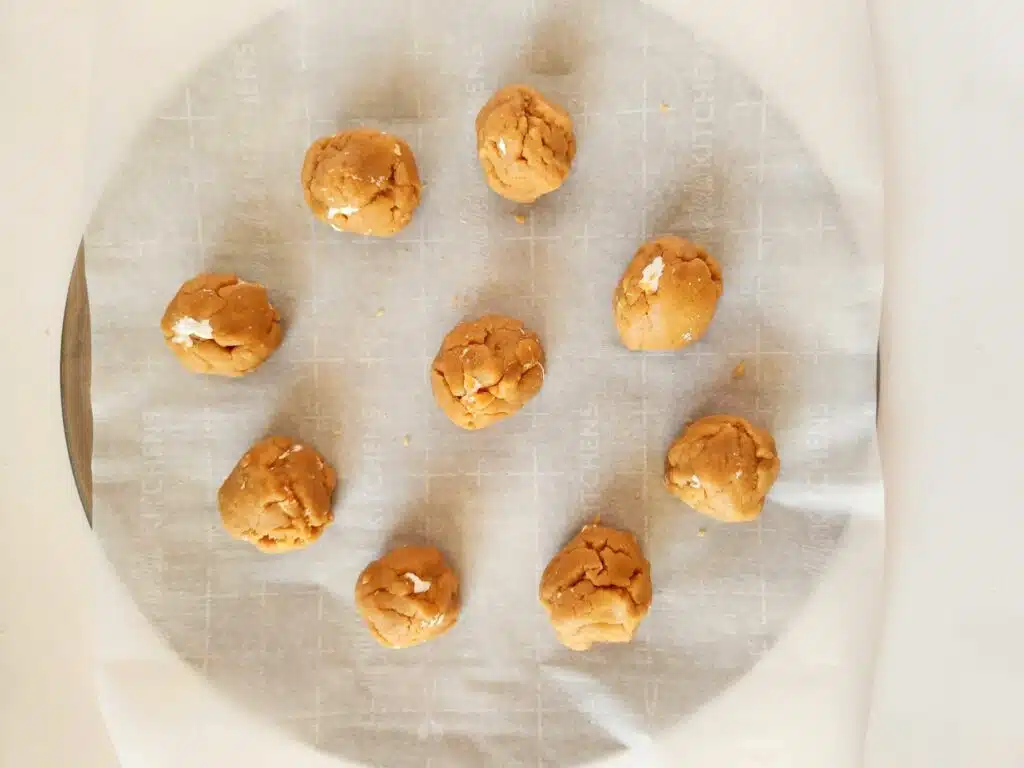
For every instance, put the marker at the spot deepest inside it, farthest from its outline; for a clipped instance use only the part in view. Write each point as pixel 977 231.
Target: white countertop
pixel 953 623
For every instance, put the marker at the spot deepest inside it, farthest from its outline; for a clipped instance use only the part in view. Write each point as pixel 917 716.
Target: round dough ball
pixel 362 181
pixel 278 496
pixel 597 589
pixel 723 466
pixel 667 295
pixel 486 370
pixel 525 143
pixel 408 597
pixel 221 325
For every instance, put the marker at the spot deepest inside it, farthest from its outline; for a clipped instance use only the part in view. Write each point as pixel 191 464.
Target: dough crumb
pixel 520 219
pixel 740 370
pixel 406 440
pixel 597 589
pixel 407 597
pixel 380 312
pixel 663 107
pixel 702 531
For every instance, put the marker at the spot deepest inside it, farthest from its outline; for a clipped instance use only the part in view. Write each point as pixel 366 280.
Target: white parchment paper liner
pixel 671 140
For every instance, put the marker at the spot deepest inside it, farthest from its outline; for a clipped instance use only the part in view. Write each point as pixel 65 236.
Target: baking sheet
pixel 671 140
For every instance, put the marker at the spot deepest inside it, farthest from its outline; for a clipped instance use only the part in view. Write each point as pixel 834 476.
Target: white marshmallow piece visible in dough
pixel 346 211
pixel 418 585
pixel 651 276
pixel 188 328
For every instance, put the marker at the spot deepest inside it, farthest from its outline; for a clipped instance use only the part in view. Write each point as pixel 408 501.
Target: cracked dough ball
pixel 597 589
pixel 278 496
pixel 221 325
pixel 667 295
pixel 408 597
pixel 486 370
pixel 362 181
pixel 525 143
pixel 723 467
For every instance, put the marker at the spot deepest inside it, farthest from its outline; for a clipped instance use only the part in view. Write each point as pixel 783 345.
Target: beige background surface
pixel 132 666
pixel 942 567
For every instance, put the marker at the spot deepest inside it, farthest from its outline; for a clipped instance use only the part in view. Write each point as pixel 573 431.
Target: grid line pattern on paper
pixel 670 140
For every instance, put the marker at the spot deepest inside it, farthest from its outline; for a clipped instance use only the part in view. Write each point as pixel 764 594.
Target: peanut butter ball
pixel 597 589
pixel 221 325
pixel 723 467
pixel 667 295
pixel 409 596
pixel 362 181
pixel 525 143
pixel 278 496
pixel 487 370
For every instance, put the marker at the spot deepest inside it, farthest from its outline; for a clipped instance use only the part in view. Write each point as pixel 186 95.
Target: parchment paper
pixel 670 140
